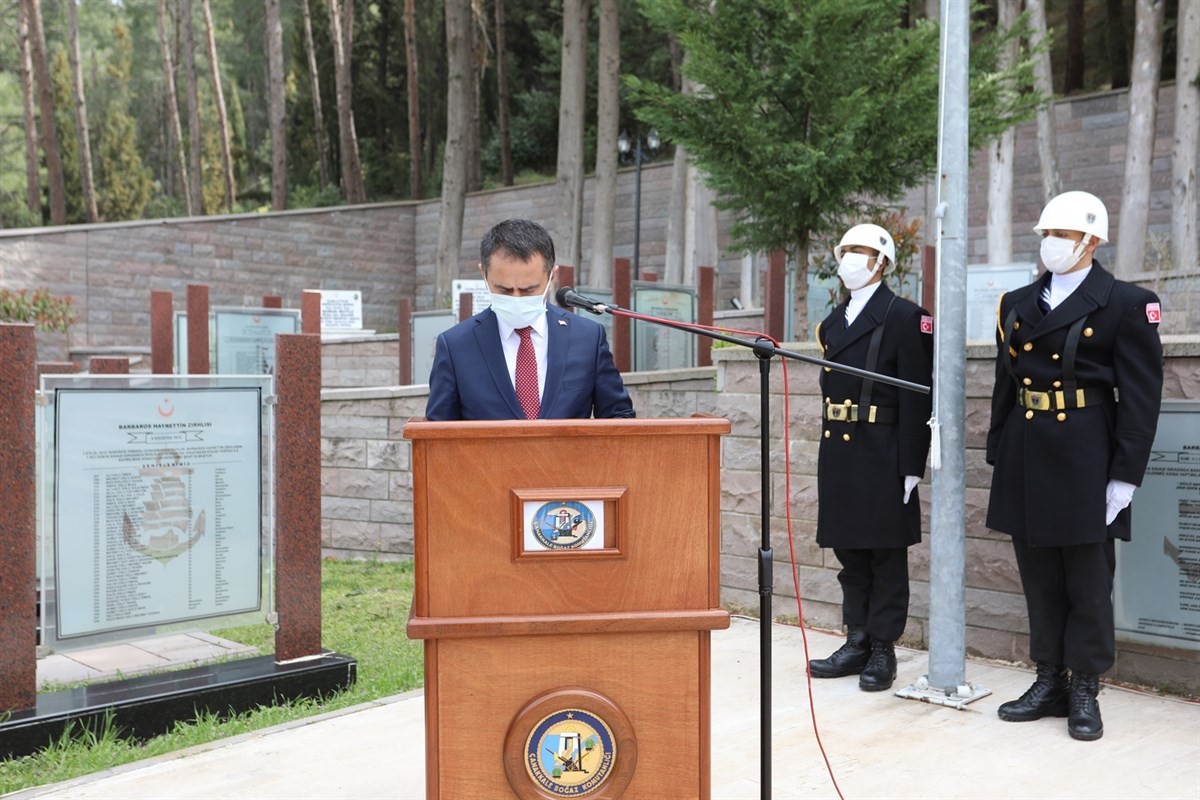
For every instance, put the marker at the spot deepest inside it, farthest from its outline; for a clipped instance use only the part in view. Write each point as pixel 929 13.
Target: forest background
pixel 122 70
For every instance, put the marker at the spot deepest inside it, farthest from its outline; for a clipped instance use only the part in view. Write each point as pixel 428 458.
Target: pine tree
pixel 126 181
pixel 60 86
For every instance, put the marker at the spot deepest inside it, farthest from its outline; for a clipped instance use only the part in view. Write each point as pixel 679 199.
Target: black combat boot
pixel 1047 697
pixel 849 659
pixel 881 668
pixel 1084 721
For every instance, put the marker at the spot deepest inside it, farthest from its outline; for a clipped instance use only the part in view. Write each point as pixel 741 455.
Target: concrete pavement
pixel 878 745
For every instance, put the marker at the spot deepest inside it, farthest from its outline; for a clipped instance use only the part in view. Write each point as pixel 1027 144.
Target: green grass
pixel 364 609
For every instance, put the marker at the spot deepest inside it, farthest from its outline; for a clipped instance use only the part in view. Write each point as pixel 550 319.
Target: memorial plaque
pixel 341 310
pixel 481 296
pixel 157 506
pixel 1157 586
pixel 657 346
pixel 426 325
pixel 181 337
pixel 985 284
pixel 245 338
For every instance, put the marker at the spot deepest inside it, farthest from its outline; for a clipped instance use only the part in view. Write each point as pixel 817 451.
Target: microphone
pixel 567 296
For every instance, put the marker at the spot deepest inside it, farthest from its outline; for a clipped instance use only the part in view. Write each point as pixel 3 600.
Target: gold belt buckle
pixel 837 413
pixel 1038 401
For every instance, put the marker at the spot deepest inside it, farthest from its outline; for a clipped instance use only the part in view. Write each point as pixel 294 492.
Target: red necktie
pixel 527 377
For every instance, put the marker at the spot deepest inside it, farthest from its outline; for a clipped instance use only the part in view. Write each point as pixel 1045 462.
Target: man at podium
pixel 519 358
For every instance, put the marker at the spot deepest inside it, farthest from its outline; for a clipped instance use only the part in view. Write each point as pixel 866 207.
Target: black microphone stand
pixel 765 350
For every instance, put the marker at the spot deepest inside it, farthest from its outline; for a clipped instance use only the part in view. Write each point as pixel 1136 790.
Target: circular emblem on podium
pixel 566 525
pixel 570 743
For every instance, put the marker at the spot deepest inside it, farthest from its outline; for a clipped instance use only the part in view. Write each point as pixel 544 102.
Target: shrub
pixel 48 312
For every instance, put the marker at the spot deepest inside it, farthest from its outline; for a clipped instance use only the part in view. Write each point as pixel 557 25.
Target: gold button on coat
pixel 1062 416
pixel 1056 356
pixel 845 437
pixel 1029 414
pixel 1088 331
pixel 1027 346
pixel 1017 325
pixel 829 369
pixel 1027 381
pixel 1058 384
pixel 826 434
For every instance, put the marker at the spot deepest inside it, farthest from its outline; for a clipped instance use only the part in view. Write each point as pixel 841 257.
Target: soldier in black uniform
pixel 873 446
pixel 1074 410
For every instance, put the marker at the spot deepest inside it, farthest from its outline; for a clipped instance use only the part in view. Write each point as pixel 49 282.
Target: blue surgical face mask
pixel 519 312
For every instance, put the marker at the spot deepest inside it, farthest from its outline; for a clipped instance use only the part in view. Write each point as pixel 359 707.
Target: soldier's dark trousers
pixel 1068 591
pixel 875 590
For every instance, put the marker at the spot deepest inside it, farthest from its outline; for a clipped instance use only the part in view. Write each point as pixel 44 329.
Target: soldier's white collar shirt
pixel 1061 286
pixel 858 299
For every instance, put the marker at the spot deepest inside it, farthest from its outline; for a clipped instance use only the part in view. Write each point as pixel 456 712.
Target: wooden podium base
pixel 486 699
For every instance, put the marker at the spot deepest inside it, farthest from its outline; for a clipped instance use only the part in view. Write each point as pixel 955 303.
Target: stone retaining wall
pixel 367 504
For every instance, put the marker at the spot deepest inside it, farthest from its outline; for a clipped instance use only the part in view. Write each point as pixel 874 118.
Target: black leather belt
pixel 1058 400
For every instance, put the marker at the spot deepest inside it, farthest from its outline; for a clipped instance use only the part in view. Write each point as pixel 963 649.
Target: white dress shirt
pixel 858 299
pixel 1061 286
pixel 510 340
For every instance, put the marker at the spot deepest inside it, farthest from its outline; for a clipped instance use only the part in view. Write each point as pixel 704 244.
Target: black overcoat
pixel 861 465
pixel 1051 467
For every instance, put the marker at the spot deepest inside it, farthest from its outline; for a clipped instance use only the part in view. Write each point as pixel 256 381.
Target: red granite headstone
pixel 622 292
pixel 566 277
pixel 197 330
pixel 773 310
pixel 162 332
pixel 109 365
pixel 18 541
pixel 298 495
pixel 56 368
pixel 704 314
pixel 272 301
pixel 406 344
pixel 310 311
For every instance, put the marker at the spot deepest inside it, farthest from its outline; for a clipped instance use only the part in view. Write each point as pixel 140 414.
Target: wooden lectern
pixel 567 578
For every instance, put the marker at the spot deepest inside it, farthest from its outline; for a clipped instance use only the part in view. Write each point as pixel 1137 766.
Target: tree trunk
pixel 196 177
pixel 454 158
pixel 173 105
pixel 677 214
pixel 608 112
pixel 571 105
pixel 506 165
pixel 318 116
pixel 54 167
pixel 276 105
pixel 33 181
pixel 1139 145
pixel 81 119
pixel 800 295
pixel 222 116
pixel 352 185
pixel 1000 160
pixel 1073 79
pixel 413 79
pixel 1118 44
pixel 478 63
pixel 1185 150
pixel 1044 83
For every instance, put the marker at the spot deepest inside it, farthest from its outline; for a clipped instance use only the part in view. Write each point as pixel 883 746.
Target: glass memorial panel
pixel 985 284
pixel 153 512
pixel 426 325
pixel 658 346
pixel 1157 584
pixel 245 338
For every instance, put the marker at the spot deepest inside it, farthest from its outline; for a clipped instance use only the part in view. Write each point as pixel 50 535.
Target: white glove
pixel 1117 494
pixel 909 482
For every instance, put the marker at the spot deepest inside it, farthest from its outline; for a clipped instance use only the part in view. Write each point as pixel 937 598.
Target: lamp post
pixel 624 146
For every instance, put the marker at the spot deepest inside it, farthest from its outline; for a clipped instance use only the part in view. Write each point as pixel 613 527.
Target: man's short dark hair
pixel 519 238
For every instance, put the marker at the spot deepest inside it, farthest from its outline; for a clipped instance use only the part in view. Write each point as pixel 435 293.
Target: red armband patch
pixel 1153 313
pixel 926 323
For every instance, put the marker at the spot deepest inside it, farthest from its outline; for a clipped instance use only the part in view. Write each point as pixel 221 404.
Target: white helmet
pixel 1075 211
pixel 868 235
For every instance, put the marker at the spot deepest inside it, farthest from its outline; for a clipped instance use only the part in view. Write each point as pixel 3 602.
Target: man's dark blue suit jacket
pixel 470 380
